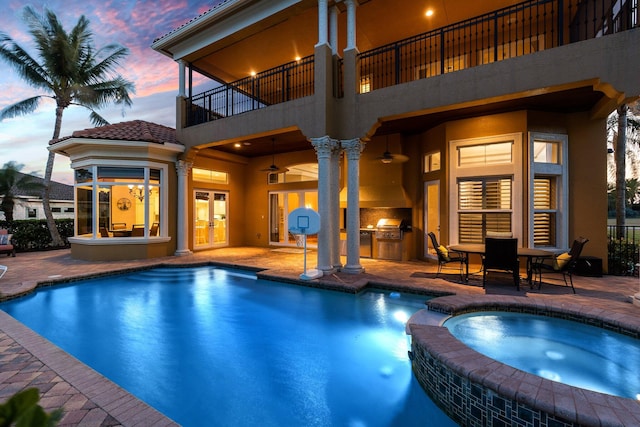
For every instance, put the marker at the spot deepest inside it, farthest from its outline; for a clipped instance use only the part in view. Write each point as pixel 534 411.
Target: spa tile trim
pixel 476 390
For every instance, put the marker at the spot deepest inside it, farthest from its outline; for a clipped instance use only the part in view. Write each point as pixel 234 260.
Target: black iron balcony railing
pixel 513 31
pixel 623 249
pixel 517 30
pixel 280 84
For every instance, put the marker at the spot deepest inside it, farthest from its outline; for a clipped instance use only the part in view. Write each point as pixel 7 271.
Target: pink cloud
pixel 133 24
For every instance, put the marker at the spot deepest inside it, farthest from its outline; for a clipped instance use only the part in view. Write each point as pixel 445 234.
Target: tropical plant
pixel 22 410
pixel 71 72
pixel 12 182
pixel 623 127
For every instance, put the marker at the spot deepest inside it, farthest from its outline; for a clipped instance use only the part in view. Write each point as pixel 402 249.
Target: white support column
pixel 351 24
pixel 353 148
pixel 181 82
pixel 182 230
pixel 335 206
pixel 333 29
pixel 323 12
pixel 324 147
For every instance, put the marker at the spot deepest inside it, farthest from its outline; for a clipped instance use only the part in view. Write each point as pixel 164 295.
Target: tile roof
pixel 135 130
pixel 57 190
pixel 215 7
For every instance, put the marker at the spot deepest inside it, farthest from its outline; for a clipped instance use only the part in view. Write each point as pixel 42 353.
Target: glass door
pixel 431 216
pixel 211 214
pixel 281 204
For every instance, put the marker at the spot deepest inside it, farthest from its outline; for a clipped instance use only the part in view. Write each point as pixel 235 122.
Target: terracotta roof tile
pixel 135 130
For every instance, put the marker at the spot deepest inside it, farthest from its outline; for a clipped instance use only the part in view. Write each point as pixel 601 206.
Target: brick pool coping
pixel 88 398
pixel 476 390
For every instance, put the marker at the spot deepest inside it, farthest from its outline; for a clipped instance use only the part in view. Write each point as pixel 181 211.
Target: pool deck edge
pixel 83 393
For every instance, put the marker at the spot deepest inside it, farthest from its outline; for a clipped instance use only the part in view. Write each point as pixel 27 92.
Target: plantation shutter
pixel 544 216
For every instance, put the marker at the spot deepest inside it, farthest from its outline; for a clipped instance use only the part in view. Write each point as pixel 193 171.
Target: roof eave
pixel 164 43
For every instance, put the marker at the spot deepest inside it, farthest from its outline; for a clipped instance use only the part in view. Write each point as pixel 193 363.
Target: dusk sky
pixel 131 23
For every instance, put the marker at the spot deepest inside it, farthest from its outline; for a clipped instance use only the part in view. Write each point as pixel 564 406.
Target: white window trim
pixel 427 163
pixel 561 172
pixel 513 169
pixel 286 217
pixel 163 188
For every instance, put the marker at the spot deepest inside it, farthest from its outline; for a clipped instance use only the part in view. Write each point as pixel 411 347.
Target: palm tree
pixel 71 72
pixel 624 130
pixel 620 157
pixel 12 182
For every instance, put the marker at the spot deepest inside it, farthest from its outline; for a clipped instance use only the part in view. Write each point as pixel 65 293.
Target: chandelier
pixel 137 192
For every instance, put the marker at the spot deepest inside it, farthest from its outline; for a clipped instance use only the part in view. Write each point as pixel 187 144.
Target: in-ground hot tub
pixel 566 351
pixel 477 390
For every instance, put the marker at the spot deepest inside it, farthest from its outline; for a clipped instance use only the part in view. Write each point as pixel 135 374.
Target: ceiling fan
pixel 387 157
pixel 273 167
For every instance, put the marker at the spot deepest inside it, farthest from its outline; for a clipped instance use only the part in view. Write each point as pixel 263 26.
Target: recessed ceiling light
pixel 429 12
pixel 298 58
pixel 253 74
pixel 237 145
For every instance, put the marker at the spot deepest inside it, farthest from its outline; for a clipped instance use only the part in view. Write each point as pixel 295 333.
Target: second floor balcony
pixel 521 29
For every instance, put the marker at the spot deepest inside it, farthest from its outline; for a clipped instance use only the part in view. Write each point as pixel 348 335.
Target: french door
pixel 431 215
pixel 281 204
pixel 211 219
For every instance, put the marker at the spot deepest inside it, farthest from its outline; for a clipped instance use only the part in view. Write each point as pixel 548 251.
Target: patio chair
pixel 499 234
pixel 6 243
pixel 3 269
pixel 153 231
pixel 119 226
pixel 564 263
pixel 446 257
pixel 501 254
pixel 137 230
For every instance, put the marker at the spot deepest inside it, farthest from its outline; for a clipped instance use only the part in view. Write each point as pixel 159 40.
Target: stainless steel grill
pixel 389 234
pixel 389 229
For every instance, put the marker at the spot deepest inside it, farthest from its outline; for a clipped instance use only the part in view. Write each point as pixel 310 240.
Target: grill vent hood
pixel 379 196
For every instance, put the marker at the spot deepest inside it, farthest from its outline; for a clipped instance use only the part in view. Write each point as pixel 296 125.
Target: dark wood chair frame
pixel 567 269
pixel 501 254
pixel 445 260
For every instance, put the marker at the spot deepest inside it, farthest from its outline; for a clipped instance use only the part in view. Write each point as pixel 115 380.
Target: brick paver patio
pixel 89 399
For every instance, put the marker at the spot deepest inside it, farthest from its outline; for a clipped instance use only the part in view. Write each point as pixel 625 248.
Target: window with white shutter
pixel 548 200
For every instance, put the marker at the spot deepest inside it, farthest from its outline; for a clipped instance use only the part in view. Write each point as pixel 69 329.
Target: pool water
pixel 561 350
pixel 211 346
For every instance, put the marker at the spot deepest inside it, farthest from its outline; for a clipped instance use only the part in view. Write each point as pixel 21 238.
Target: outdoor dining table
pixel 478 248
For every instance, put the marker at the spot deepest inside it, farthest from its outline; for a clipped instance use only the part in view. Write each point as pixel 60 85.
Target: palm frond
pixel 97 120
pixel 114 53
pixel 21 108
pixel 69 66
pixel 100 94
pixel 13 181
pixel 27 67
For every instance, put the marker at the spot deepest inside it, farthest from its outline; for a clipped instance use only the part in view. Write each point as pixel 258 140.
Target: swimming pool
pixel 560 350
pixel 220 347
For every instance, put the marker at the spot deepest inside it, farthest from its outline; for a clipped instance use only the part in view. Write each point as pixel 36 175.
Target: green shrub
pixel 22 410
pixel 33 234
pixel 623 256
